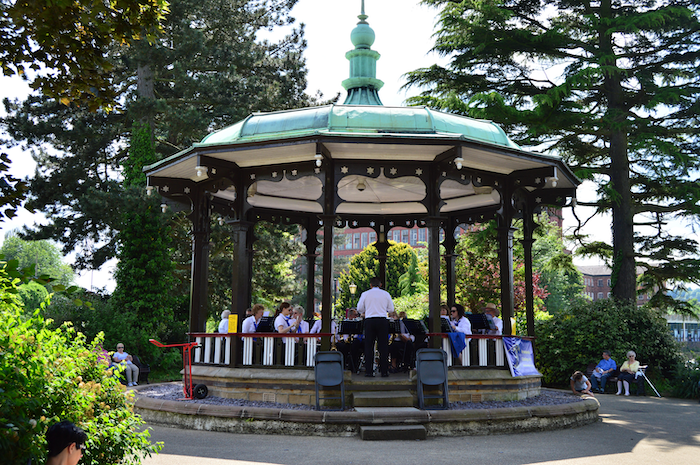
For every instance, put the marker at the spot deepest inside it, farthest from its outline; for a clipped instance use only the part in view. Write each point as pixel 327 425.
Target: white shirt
pixel 462 325
pixel 316 328
pixel 250 325
pixel 223 325
pixel 283 321
pixel 375 303
pixel 499 327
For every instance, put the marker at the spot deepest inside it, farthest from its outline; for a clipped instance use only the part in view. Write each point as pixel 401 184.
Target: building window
pixel 600 283
pixel 600 295
pixel 414 237
pixel 364 240
pixel 609 282
pixel 341 242
pixel 609 294
pixel 348 241
pixel 396 235
pixel 404 236
pixel 421 235
pixel 356 241
pixel 372 237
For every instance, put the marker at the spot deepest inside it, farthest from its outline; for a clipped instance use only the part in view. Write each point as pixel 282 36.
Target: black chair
pixel 329 372
pixel 431 370
pixel 144 369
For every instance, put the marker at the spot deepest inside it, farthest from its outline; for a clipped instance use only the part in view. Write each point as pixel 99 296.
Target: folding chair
pixel 431 370
pixel 328 371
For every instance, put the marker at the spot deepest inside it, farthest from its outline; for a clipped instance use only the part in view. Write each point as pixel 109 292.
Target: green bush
pixel 575 337
pixel 685 380
pixel 47 375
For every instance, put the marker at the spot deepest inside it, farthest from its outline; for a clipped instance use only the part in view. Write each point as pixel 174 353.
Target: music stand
pixel 417 328
pixel 394 327
pixel 445 326
pixel 266 325
pixel 479 322
pixel 350 327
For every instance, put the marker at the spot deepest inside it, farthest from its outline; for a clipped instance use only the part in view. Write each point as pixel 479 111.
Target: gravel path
pixel 173 391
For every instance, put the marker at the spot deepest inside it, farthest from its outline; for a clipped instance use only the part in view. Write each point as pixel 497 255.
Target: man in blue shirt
pixel 602 372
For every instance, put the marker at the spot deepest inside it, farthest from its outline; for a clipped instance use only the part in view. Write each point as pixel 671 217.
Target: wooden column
pixel 434 279
pixel 382 246
pixel 505 255
pixel 450 276
pixel 310 243
pixel 529 226
pixel 199 282
pixel 241 231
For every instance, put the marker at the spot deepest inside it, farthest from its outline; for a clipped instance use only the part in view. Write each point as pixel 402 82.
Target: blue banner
pixel 521 356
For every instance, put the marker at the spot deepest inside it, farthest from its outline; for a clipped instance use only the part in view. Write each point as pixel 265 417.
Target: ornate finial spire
pixel 362 85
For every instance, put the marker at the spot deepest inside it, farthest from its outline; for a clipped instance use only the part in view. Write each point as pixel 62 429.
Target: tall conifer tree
pixel 610 85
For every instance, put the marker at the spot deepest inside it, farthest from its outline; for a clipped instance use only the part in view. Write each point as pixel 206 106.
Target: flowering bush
pixel 50 375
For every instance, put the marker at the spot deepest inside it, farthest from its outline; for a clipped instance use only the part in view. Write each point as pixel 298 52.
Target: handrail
pixel 305 335
pixel 484 336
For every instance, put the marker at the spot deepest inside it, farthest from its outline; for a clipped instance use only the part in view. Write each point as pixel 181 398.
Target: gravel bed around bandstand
pixel 173 391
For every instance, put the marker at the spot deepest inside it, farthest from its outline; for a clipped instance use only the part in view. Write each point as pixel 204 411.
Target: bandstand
pixel 359 164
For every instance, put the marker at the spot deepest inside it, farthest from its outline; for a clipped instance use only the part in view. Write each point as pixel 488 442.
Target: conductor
pixel 375 304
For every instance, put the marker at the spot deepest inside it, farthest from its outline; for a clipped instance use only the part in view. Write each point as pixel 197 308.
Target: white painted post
pixel 483 352
pixel 500 353
pixel 247 351
pixel 268 350
pixel 198 350
pixel 447 349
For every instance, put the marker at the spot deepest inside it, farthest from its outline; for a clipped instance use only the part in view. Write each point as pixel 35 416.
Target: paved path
pixel 633 431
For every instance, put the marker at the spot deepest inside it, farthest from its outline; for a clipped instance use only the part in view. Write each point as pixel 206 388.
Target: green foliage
pixel 415 306
pixel 43 255
pixel 623 113
pixel 72 40
pixel 412 282
pixel 32 295
pixel 143 301
pixel 365 265
pixel 49 375
pixel 478 271
pixel 209 69
pixel 12 190
pixel 686 380
pixel 274 277
pixel 575 337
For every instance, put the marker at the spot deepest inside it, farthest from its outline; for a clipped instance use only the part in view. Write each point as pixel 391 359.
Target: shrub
pixel 49 375
pixel 685 380
pixel 575 337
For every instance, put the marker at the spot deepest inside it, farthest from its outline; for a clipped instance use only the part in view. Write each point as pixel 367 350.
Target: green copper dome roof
pixel 366 120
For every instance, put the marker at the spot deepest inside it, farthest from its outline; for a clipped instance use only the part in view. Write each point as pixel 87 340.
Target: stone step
pixel 382 399
pixel 393 432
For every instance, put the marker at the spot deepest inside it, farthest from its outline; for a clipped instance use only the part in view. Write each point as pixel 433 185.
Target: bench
pixel 144 369
pixel 612 380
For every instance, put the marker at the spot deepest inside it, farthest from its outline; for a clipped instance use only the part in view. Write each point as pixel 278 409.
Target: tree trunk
pixel 624 277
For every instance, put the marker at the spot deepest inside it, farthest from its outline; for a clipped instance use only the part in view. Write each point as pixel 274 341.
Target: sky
pixel 403 31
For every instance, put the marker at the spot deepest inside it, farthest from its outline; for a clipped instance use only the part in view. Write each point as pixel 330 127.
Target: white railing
pixel 482 348
pixel 215 349
pixel 277 350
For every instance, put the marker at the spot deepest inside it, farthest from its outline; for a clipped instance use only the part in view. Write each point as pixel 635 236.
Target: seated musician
pixel 401 347
pixel 318 324
pixel 351 347
pixel 459 321
pixel 285 323
pixel 492 314
pixel 298 315
pixel 250 324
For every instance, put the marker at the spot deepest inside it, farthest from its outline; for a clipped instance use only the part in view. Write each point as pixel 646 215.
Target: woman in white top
pixel 223 324
pixel 459 321
pixel 250 324
pixel 284 323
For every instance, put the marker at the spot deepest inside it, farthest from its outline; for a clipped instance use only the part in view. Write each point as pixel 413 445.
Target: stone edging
pixel 238 419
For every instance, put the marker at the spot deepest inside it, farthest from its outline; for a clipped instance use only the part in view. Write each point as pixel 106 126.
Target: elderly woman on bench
pixel 127 361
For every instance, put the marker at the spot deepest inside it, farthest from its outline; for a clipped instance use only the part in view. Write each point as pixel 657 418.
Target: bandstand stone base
pixel 252 420
pixel 296 386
